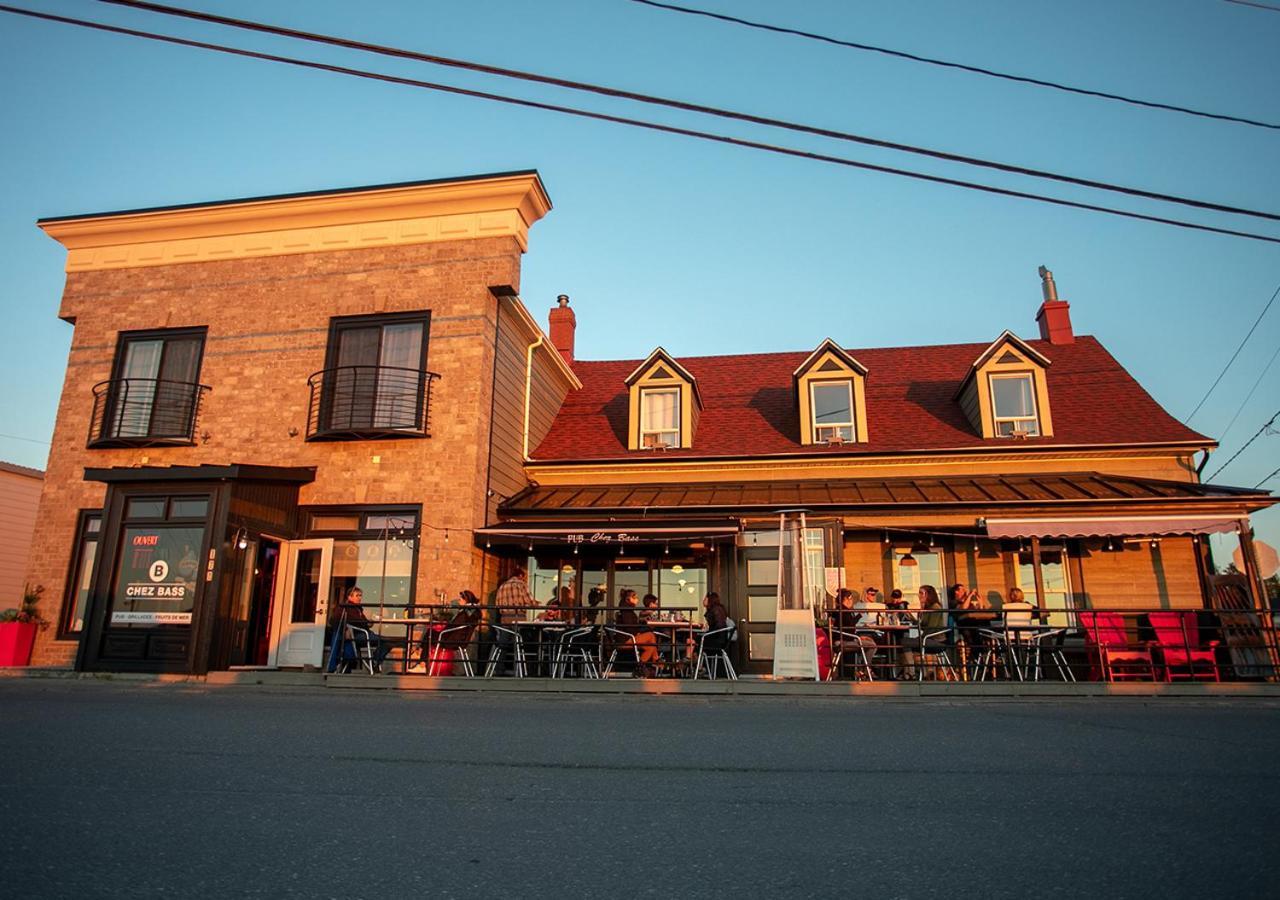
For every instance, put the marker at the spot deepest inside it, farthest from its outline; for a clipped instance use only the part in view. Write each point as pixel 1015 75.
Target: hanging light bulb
pixel 446 535
pixel 886 537
pixel 666 550
pixel 575 549
pixel 487 543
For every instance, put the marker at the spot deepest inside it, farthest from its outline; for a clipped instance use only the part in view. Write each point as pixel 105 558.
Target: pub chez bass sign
pixel 602 537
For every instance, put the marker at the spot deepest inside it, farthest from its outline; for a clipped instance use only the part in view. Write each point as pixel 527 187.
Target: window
pixel 832 404
pixel 660 418
pixel 375 378
pixel 375 549
pixel 153 393
pixel 1014 406
pixel 1053 574
pixel 80 581
pixel 159 562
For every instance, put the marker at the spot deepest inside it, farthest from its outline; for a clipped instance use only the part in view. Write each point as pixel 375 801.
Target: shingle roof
pixel 750 405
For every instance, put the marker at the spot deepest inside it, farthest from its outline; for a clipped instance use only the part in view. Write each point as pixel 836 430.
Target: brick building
pixel 270 401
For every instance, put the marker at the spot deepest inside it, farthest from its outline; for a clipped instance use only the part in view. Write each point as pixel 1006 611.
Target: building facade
pixel 19 502
pixel 271 401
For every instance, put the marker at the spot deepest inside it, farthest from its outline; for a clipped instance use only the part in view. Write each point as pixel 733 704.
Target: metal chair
pixel 363 645
pixel 575 645
pixel 848 640
pixel 516 644
pixel 936 644
pixel 620 640
pixel 455 638
pixel 719 653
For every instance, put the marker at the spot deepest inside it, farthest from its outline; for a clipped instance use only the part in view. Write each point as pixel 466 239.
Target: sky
pixel 699 247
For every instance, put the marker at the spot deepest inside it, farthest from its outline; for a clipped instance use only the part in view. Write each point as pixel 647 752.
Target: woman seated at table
pixel 595 598
pixel 972 614
pixel 1017 611
pixel 457 632
pixel 644 641
pixel 551 613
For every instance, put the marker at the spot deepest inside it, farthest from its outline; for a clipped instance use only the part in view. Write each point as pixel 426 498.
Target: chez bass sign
pixel 602 537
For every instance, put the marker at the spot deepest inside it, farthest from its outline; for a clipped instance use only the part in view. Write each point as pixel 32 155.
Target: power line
pixel 1277 471
pixel 1268 7
pixel 1256 435
pixel 14 437
pixel 1218 380
pixel 685 106
pixel 1249 396
pixel 644 124
pixel 978 70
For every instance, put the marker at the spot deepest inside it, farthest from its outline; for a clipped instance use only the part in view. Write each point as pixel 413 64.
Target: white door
pixel 302 604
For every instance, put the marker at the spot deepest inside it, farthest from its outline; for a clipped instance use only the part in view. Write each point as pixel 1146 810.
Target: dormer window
pixel 659 417
pixel 832 404
pixel 1013 405
pixel 831 396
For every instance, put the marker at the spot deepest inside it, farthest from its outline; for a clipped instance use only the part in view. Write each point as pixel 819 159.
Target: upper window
pixel 375 381
pixel 1013 402
pixel 153 395
pixel 660 417
pixel 832 404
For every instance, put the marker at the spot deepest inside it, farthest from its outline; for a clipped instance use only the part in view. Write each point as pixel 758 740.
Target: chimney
pixel 563 325
pixel 1054 317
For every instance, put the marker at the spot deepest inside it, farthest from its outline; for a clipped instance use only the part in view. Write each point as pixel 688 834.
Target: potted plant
pixel 18 628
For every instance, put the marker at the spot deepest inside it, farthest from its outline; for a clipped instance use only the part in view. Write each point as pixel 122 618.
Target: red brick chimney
pixel 563 325
pixel 1054 317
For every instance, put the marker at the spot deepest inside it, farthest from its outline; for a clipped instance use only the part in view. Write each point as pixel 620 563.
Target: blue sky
pixel 705 248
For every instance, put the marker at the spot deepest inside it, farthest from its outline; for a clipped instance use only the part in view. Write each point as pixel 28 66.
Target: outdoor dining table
pixel 546 634
pixel 673 628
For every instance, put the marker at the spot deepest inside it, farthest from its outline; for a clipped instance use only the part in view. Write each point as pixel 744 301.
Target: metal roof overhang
pixel 587 532
pixel 1112 526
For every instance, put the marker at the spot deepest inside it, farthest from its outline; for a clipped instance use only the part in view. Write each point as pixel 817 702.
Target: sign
pixel 1268 561
pixel 602 537
pixel 155 582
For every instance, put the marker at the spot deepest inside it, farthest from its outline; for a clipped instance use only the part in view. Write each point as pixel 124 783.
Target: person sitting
pixel 456 633
pixel 552 612
pixel 972 614
pixel 643 640
pixel 1017 611
pixel 934 637
pixel 595 597
pixel 353 615
pixel 716 617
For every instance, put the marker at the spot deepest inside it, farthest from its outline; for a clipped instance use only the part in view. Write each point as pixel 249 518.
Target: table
pixel 660 626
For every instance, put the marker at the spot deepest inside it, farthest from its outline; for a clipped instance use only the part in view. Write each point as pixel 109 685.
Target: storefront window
pixel 544 578
pixel 1053 572
pixel 81 581
pixel 630 573
pixel 682 583
pixel 927 570
pixel 156 580
pixel 381 568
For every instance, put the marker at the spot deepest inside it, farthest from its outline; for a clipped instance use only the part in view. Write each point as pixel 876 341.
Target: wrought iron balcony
pixel 145 412
pixel 355 402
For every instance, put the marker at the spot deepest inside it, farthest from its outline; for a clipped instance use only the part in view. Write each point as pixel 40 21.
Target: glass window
pixel 320 522
pixel 382 569
pixel 832 410
pixel 145 508
pixel 85 555
pixel 156 578
pixel 1014 405
pixel 544 578
pixel 189 508
pixel 630 573
pixel 393 522
pixel 376 379
pixel 154 391
pixel 682 584
pixel 909 579
pixel 660 418
pixel 1053 572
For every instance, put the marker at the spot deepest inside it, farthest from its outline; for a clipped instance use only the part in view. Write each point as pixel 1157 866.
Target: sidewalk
pixel 747 686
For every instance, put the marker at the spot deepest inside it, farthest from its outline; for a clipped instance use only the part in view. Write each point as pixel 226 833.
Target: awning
pixel 609 533
pixel 1111 526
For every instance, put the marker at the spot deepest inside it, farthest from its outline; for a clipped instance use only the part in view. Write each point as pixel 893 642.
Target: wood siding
pixel 19 500
pixel 1141 577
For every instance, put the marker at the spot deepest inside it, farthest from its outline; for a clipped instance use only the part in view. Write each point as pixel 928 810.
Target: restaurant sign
pixel 602 537
pixel 156 581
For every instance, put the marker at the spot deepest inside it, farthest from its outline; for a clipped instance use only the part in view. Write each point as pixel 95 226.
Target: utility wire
pixel 1249 396
pixel 1256 435
pixel 1277 471
pixel 978 70
pixel 640 123
pixel 1218 380
pixel 1266 6
pixel 686 106
pixel 14 437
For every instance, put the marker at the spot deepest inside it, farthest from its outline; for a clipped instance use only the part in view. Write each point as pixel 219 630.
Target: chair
pixel 1051 640
pixel 575 645
pixel 359 646
pixel 713 653
pixel 1178 646
pixel 518 662
pixel 936 644
pixel 851 641
pixel 455 638
pixel 619 640
pixel 1117 658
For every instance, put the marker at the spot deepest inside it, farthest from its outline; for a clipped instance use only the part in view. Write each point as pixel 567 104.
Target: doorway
pixel 301 603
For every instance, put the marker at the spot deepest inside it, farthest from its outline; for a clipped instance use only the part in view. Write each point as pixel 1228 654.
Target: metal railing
pixel 131 412
pixel 1094 645
pixel 369 401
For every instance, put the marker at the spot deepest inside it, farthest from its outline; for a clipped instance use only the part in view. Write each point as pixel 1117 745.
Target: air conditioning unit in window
pixel 1018 433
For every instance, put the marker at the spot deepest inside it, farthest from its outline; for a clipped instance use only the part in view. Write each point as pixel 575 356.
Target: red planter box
pixel 16 641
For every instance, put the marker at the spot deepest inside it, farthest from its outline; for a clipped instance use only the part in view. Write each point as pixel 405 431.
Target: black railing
pixel 139 412
pixel 369 401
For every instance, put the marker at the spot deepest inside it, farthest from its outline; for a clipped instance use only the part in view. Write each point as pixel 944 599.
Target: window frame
pixel 363 512
pixel 997 419
pixel 852 424
pixel 327 430
pixel 113 399
pixel 82 537
pixel 646 392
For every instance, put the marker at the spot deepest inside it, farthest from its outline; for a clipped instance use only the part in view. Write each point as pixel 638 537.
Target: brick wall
pixel 268 321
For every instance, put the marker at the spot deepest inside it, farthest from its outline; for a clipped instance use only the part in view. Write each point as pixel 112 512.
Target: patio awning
pixel 611 532
pixel 1111 526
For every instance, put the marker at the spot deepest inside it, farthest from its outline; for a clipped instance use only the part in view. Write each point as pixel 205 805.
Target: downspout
pixel 528 389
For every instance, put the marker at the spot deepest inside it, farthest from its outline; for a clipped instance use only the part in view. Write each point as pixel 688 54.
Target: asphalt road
pixel 191 792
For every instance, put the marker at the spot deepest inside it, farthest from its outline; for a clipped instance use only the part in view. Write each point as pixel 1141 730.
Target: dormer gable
pixel 831 396
pixel 1005 393
pixel 664 404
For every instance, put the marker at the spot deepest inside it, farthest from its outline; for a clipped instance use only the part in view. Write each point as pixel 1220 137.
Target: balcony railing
pixel 353 402
pixel 142 412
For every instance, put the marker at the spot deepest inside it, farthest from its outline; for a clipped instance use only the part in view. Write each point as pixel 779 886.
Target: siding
pixel 1140 577
pixel 19 500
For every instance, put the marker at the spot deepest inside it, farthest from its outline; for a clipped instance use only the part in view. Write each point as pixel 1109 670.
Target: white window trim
pixel 645 432
pixel 818 430
pixel 997 419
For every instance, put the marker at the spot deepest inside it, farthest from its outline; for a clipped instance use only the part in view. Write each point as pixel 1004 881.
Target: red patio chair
pixel 1117 658
pixel 1178 646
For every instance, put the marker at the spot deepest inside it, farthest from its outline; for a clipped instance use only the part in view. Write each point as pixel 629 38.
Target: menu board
pixel 156 581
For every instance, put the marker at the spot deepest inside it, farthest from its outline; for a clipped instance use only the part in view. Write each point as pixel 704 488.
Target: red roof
pixel 750 405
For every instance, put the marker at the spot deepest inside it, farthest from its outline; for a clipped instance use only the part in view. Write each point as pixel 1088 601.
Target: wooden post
pixel 1249 555
pixel 1035 568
